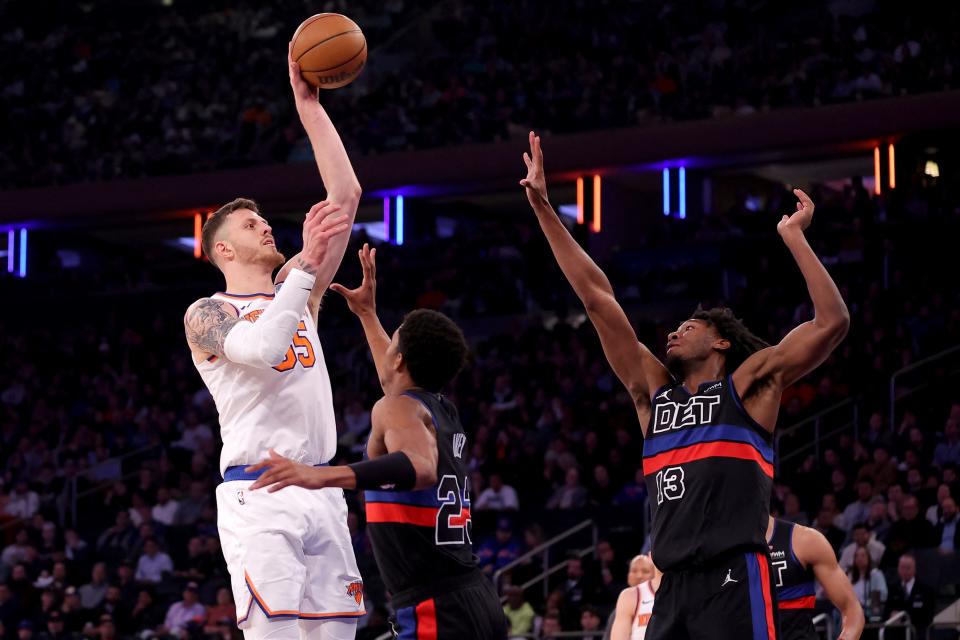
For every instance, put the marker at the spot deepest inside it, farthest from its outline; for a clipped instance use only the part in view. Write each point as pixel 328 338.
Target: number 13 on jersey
pixel 670 484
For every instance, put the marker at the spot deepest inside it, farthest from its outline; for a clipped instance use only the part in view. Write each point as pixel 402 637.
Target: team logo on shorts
pixel 355 589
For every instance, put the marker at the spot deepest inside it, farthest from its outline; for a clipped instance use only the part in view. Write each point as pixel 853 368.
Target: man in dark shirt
pixel 910 595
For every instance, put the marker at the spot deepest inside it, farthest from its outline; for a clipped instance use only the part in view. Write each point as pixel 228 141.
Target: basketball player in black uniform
pixel 801 555
pixel 707 418
pixel 417 496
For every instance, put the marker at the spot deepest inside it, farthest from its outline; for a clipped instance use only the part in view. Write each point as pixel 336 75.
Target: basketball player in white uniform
pixel 256 347
pixel 635 603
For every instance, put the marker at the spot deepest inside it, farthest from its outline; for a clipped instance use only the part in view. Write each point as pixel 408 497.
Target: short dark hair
pixel 743 342
pixel 433 348
pixel 216 220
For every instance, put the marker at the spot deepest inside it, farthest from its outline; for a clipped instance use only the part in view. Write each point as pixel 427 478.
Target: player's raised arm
pixel 335 170
pixel 638 369
pixel 363 303
pixel 808 345
pixel 813 550
pixel 214 328
pixel 399 425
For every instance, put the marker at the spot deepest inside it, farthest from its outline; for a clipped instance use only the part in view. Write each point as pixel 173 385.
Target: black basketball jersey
pixel 794 582
pixel 421 537
pixel 709 471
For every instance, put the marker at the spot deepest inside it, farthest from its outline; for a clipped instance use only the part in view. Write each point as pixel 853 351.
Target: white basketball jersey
pixel 288 408
pixel 638 629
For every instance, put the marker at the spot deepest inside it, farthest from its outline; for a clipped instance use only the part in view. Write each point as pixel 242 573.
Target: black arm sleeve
pixel 392 471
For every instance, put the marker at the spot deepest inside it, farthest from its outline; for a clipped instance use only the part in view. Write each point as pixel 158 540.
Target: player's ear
pixel 399 364
pixel 223 250
pixel 721 344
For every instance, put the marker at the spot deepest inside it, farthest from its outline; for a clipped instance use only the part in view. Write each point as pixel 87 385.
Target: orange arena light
pixel 876 170
pixel 580 205
pixel 596 204
pixel 893 167
pixel 197 226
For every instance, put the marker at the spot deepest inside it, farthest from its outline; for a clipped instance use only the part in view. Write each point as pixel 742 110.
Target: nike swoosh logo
pixel 646 601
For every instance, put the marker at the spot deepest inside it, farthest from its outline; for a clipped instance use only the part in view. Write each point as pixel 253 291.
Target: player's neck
pixel 247 281
pixel 707 372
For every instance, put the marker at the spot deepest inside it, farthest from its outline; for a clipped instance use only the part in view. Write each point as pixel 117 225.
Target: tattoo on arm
pixel 304 266
pixel 207 326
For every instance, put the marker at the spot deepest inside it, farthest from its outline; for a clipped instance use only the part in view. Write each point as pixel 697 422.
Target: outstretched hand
pixel 536 182
pixel 303 93
pixel 801 218
pixel 321 225
pixel 363 299
pixel 282 472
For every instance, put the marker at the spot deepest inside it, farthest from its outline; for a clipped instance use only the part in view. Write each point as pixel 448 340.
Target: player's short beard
pixel 677 366
pixel 271 260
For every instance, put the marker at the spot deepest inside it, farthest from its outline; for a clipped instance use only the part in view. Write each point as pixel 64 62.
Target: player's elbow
pixel 839 325
pixel 273 354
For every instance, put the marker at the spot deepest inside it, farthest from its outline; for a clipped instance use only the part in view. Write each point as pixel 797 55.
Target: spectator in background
pixel 114 605
pixel 16 551
pixel 878 521
pixel 607 573
pixel 115 544
pixel 912 531
pixel 948 451
pixel 946 535
pixel 500 549
pixel 153 563
pixel 792 511
pixel 191 508
pixel 146 613
pixel 93 593
pixel 221 617
pixel 55 629
pixel 824 524
pixel 576 591
pixel 895 498
pixel 936 510
pixel 25 630
pixel 882 472
pixel 76 550
pixel 862 537
pixel 551 625
pixel 107 629
pixel 590 622
pixel 74 615
pixel 22 502
pixel 868 584
pixel 519 613
pixel 907 594
pixel 498 496
pixel 181 615
pixel 571 495
pixel 165 510
pixel 859 510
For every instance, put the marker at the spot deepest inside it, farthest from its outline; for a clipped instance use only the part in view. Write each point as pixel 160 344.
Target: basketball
pixel 331 50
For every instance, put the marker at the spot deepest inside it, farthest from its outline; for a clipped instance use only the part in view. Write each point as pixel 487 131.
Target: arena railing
pixel 545 550
pixel 818 420
pixel 925 365
pixel 824 622
pixel 899 620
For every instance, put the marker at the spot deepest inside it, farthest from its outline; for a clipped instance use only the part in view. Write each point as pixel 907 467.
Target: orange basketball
pixel 331 50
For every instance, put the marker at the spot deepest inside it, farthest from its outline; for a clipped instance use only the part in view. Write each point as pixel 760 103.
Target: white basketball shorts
pixel 288 552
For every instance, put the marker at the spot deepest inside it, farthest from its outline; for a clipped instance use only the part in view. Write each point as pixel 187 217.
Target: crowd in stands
pixel 105 90
pixel 105 548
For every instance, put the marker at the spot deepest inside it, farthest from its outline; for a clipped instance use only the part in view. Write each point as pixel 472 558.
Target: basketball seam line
pixel 362 49
pixel 336 35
